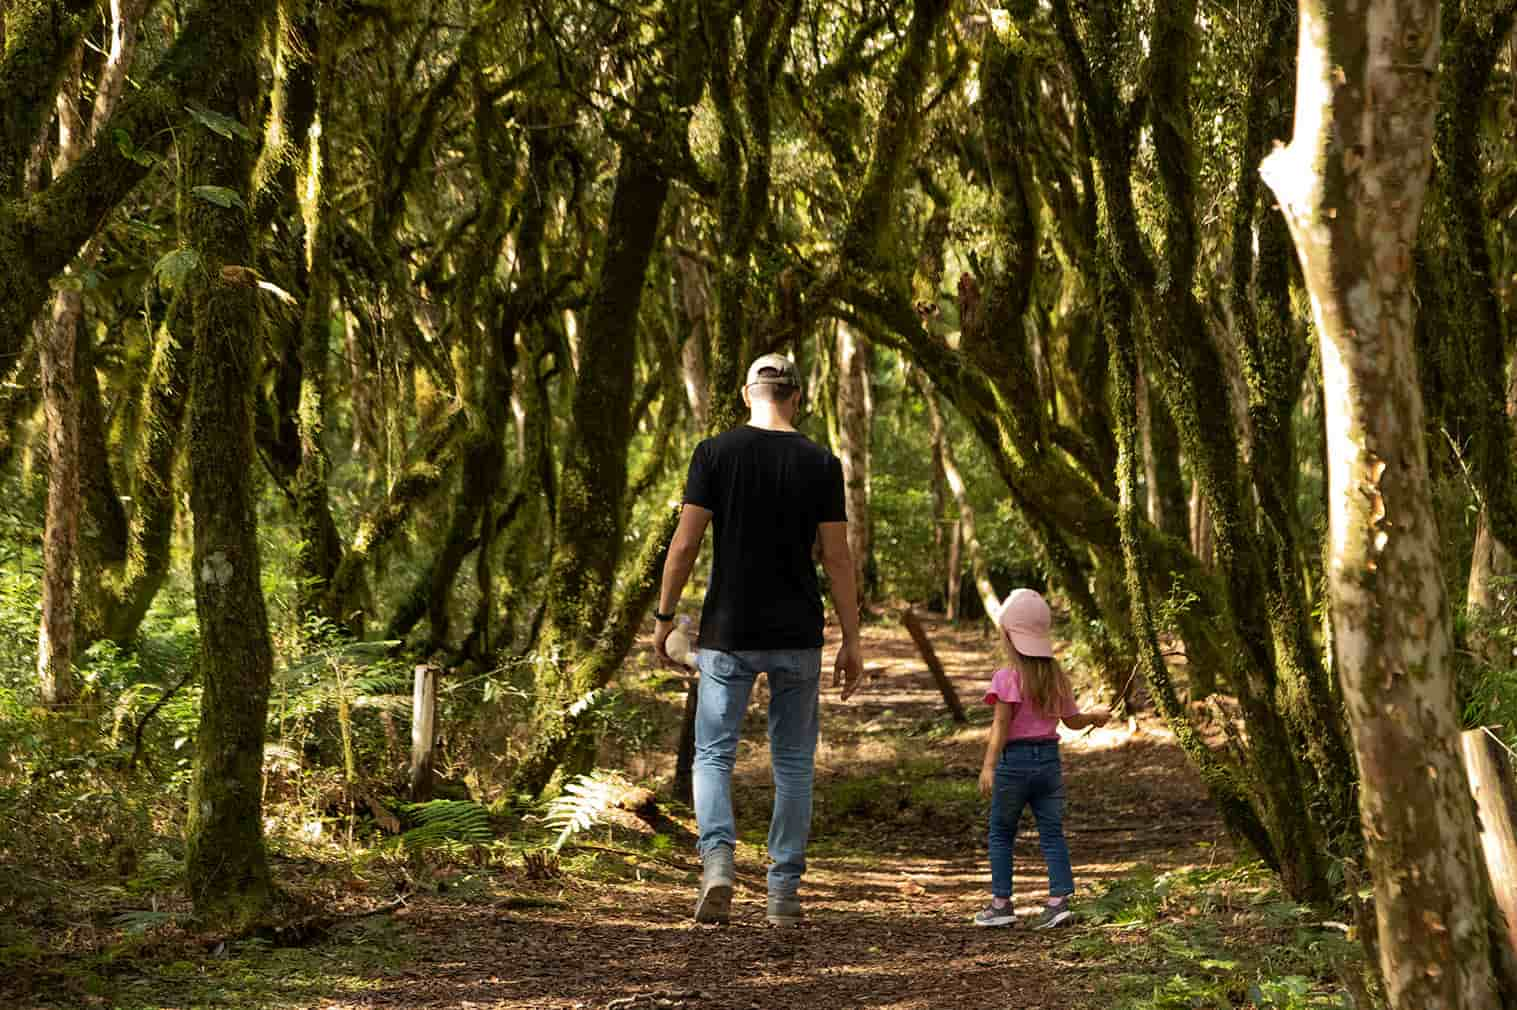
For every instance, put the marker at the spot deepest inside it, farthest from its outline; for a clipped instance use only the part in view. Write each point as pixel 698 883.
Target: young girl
pixel 1022 758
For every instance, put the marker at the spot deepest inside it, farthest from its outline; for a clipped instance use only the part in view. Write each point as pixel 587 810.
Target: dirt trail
pixel 893 881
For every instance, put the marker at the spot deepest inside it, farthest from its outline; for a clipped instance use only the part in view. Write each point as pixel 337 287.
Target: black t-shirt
pixel 767 492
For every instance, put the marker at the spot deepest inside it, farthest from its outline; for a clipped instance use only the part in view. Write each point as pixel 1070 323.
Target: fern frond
pixel 441 821
pixel 583 804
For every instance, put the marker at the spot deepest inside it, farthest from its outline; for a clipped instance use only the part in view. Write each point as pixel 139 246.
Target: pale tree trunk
pixel 955 565
pixel 977 563
pixel 939 507
pixel 1351 184
pixel 853 444
pixel 695 300
pixel 57 335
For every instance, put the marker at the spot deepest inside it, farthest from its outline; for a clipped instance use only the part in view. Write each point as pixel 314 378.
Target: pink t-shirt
pixel 1028 721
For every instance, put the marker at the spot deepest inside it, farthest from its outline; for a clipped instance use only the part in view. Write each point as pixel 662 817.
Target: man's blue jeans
pixel 726 682
pixel 1029 774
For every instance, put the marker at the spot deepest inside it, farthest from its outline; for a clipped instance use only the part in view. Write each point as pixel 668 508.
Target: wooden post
pixel 934 665
pixel 1489 768
pixel 423 732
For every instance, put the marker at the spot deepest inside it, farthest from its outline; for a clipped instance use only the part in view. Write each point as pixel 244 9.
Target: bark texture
pixel 57 337
pixel 853 444
pixel 225 863
pixel 1352 184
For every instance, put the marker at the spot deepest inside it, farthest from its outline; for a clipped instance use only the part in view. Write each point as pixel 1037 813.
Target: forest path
pixel 897 870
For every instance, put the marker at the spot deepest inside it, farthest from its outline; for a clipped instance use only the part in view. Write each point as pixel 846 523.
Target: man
pixel 771 495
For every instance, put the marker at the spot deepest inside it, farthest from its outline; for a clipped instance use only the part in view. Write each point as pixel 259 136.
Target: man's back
pixel 767 491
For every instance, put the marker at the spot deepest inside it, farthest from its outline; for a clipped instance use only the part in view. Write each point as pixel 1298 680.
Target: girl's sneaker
pixel 1055 915
pixel 990 915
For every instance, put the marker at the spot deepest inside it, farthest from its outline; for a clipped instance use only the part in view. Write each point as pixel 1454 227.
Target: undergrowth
pixel 1216 938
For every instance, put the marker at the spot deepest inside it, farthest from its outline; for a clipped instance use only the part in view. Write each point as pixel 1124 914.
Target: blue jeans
pixel 726 682
pixel 1029 774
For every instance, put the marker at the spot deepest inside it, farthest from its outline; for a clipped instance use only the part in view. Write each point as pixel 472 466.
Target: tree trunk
pixel 55 655
pixel 585 637
pixel 320 552
pixel 1351 184
pixel 853 444
pixel 695 301
pixel 56 339
pixel 1494 784
pixel 955 563
pixel 225 865
pixel 934 665
pixel 965 531
pixel 105 547
pixel 1167 505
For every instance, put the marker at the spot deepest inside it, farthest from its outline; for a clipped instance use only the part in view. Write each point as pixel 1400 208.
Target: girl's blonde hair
pixel 1043 681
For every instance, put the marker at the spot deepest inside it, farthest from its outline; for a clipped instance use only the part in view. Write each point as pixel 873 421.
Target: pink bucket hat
pixel 1025 618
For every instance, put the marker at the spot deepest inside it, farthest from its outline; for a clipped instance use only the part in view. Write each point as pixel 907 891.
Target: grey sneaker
pixel 1055 915
pixel 990 915
pixel 715 902
pixel 784 910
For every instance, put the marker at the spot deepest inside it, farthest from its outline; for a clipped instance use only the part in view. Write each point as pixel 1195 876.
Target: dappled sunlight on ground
pixel 897 869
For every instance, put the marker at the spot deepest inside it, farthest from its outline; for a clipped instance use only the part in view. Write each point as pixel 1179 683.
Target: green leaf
pixel 224 126
pixel 219 195
pixel 130 151
pixel 173 268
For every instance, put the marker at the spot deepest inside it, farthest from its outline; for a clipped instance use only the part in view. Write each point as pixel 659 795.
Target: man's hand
pixel 848 670
pixel 1099 716
pixel 661 631
pixel 987 781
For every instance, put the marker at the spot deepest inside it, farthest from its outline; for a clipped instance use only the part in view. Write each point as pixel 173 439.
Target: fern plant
pixel 583 804
pixel 441 821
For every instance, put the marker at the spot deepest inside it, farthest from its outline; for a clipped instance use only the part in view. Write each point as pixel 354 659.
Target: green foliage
pixel 582 804
pixel 440 821
pixel 1218 937
pixel 224 126
pixel 221 196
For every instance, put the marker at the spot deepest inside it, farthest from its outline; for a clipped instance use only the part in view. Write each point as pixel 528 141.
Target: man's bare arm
pixel 837 561
pixel 684 549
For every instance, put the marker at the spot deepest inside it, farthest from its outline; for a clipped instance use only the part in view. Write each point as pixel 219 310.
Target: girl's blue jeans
pixel 1029 774
pixel 726 682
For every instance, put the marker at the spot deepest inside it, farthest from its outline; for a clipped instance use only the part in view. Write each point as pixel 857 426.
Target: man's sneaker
pixel 715 902
pixel 990 915
pixel 784 910
pixel 1055 915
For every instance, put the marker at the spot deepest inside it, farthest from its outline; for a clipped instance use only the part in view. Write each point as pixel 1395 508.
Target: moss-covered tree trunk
pixel 1351 184
pixel 57 336
pixel 105 542
pixel 225 865
pixel 113 605
pixel 44 232
pixel 320 551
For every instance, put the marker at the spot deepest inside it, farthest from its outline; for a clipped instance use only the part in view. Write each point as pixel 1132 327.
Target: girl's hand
pixel 1100 717
pixel 987 781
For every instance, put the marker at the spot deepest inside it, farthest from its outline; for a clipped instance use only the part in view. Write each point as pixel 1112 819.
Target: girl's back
pixel 1032 721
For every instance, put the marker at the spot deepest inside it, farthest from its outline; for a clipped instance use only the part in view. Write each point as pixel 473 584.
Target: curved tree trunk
pixel 225 865
pixel 853 444
pixel 1351 184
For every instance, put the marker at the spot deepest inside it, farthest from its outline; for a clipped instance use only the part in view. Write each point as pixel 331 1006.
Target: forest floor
pixel 1170 916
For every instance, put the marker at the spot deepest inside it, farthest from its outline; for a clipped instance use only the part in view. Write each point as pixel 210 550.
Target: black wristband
pixel 662 617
